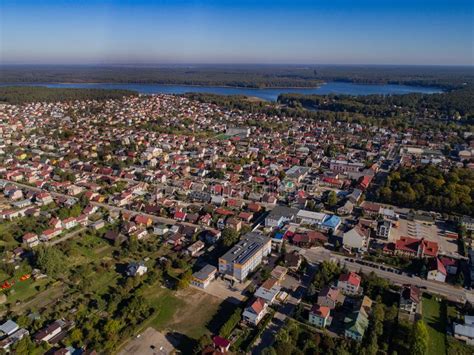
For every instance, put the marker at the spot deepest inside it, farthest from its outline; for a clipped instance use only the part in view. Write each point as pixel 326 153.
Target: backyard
pixel 434 315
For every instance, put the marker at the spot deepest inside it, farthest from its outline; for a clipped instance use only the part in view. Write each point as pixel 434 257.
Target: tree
pixel 229 237
pixel 185 280
pixel 332 199
pixel 50 260
pixel 419 339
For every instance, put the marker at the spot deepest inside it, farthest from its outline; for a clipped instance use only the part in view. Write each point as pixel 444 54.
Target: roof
pixel 411 293
pixel 205 272
pixel 257 305
pixel 320 311
pixel 329 292
pixel 220 342
pixel 351 278
pixel 8 327
pixel 250 244
pixel 331 221
pixel 464 330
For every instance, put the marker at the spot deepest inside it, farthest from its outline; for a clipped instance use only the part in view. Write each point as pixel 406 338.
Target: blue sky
pixel 290 32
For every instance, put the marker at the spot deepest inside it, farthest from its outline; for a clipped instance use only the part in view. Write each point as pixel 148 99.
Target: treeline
pixel 253 76
pixel 430 188
pixel 453 104
pixel 239 76
pixel 26 94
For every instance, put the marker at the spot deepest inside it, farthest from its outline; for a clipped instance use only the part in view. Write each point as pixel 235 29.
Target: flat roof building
pixel 245 256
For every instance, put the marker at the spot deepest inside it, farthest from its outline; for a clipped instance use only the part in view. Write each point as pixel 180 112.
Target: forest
pixel 252 76
pixel 430 188
pixel 26 94
pixel 456 104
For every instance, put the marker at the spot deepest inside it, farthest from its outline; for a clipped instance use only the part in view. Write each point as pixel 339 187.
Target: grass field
pixel 434 315
pixel 187 312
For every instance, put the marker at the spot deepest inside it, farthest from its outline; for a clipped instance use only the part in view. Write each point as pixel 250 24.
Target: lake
pixel 270 94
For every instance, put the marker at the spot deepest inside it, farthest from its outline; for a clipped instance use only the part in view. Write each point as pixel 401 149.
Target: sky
pixel 421 32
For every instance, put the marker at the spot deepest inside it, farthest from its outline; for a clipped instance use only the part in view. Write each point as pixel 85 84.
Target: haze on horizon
pixel 400 32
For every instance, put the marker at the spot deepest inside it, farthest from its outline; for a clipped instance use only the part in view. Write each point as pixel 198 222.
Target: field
pixel 434 315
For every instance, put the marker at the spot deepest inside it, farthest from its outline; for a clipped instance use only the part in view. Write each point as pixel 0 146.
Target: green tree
pixel 229 237
pixel 419 339
pixel 50 260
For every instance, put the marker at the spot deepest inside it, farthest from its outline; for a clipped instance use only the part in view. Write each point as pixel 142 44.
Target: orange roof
pixel 351 278
pixel 320 311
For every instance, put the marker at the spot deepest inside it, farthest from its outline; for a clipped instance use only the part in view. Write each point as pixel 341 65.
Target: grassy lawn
pixel 188 312
pixel 434 315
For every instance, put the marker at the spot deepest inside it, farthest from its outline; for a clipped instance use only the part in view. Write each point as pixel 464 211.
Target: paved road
pixel 458 294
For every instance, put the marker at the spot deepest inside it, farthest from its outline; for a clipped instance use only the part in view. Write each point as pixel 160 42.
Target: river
pixel 268 94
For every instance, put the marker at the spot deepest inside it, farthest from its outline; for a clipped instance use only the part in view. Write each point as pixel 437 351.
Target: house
pixel 346 209
pixel 212 236
pixel 330 296
pixel 465 332
pixel 160 229
pixel 331 223
pixel 255 311
pixel 31 240
pixel 450 264
pixel 356 323
pixel 69 223
pixel 51 331
pixel 410 303
pixel 8 328
pixel 6 343
pixel 319 316
pixel 136 269
pixel 384 228
pixel 280 215
pixel 203 277
pixel 357 238
pixel 269 290
pixel 195 248
pixel 293 260
pixel 436 270
pixel 49 234
pixel 221 344
pixel 143 220
pixel 349 283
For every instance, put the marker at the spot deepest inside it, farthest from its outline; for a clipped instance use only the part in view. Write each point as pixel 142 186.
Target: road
pixel 457 294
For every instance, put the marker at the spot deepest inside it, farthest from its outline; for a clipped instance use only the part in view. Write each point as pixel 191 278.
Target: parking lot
pixel 434 232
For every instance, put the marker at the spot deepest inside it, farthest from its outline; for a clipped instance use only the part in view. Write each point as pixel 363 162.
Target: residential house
pixel 410 303
pixel 465 332
pixel 356 323
pixel 436 270
pixel 280 215
pixel 255 311
pixel 195 248
pixel 269 290
pixel 320 316
pixel 330 296
pixel 356 239
pixel 136 269
pixel 349 283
